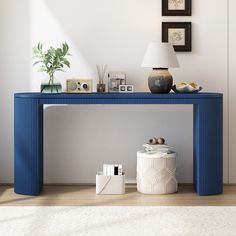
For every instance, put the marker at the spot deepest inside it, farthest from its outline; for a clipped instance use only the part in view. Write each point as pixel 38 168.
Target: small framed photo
pixel 115 79
pixel 176 8
pixel 179 34
pixel 127 88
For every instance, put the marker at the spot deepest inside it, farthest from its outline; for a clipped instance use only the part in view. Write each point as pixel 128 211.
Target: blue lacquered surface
pixel 119 95
pixel 208 132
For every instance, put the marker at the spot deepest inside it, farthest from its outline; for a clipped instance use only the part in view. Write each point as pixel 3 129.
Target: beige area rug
pixel 112 221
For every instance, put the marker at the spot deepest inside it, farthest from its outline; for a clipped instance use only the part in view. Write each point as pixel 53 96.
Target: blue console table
pixel 207 127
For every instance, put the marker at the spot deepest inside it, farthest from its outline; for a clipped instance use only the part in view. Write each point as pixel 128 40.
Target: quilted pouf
pixel 156 173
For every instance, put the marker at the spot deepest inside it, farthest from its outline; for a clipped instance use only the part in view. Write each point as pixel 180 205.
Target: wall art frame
pixel 176 7
pixel 179 34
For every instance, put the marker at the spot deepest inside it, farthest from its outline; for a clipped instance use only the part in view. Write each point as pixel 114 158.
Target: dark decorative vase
pixel 160 81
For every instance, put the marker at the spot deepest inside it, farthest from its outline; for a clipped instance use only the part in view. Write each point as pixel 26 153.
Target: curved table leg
pixel 208 147
pixel 28 146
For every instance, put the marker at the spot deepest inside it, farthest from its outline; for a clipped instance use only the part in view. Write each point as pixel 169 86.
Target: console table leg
pixel 208 147
pixel 28 146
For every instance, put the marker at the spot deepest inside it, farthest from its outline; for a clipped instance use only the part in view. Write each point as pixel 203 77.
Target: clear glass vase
pixel 51 87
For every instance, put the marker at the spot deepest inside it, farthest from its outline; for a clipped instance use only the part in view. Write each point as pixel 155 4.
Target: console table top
pixel 138 95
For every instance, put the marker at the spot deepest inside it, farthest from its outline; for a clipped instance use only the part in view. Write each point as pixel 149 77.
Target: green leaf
pixel 65 48
pixel 40 47
pixel 66 62
pixel 37 62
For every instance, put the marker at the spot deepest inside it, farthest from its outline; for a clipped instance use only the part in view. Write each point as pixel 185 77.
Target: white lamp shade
pixel 160 55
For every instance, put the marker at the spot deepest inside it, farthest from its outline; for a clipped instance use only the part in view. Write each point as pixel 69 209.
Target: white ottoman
pixel 156 173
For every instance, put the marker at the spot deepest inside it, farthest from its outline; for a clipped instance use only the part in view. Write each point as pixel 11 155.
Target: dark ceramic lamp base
pixel 160 81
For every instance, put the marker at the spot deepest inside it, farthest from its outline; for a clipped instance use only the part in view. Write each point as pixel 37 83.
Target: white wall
pixel 232 89
pixel 15 74
pixel 78 139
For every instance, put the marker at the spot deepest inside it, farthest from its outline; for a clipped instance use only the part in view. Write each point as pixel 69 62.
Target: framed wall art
pixel 176 8
pixel 179 34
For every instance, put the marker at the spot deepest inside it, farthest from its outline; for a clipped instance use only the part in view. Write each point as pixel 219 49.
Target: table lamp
pixel 160 57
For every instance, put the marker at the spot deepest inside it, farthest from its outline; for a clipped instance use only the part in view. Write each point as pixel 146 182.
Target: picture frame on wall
pixel 179 34
pixel 176 7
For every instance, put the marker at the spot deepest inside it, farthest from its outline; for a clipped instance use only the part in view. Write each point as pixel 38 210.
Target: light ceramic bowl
pixel 187 88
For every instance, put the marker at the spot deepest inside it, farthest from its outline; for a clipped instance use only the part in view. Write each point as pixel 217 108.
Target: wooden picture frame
pixel 179 34
pixel 176 7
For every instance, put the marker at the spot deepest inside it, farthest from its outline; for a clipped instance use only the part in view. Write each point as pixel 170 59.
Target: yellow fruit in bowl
pixel 181 84
pixel 194 85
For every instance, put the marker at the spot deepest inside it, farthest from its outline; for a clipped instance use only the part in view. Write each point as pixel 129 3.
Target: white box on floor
pixel 114 184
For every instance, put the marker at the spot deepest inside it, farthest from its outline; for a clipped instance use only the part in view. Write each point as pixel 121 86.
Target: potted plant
pixel 51 60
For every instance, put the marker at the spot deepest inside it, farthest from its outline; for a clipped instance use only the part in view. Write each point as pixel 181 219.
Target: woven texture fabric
pixel 156 175
pixel 117 221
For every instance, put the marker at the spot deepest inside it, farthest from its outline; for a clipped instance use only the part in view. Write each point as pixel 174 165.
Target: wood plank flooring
pixel 85 196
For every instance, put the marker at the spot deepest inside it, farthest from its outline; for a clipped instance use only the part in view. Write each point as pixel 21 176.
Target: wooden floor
pixel 85 196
